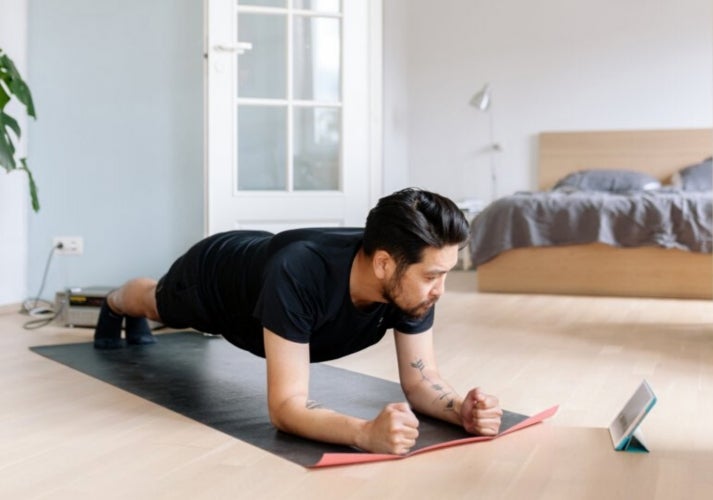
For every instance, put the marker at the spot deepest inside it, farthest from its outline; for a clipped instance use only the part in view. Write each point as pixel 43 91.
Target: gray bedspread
pixel 667 217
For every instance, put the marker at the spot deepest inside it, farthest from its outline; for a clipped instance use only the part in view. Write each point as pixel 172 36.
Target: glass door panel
pixel 262 70
pixel 317 58
pixel 318 5
pixel 262 151
pixel 316 149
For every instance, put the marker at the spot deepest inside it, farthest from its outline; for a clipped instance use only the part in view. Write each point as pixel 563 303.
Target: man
pixel 312 295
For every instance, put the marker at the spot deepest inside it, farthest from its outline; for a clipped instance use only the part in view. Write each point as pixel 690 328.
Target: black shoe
pixel 138 331
pixel 107 334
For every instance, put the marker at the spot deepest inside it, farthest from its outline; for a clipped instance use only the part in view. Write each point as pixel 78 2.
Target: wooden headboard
pixel 658 152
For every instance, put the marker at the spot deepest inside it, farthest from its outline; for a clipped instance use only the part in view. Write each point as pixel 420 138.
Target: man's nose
pixel 439 288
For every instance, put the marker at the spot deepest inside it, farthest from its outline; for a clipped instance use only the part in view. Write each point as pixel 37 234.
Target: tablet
pixel 624 426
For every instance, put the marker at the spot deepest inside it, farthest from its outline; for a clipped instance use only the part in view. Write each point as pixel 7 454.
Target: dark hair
pixel 407 221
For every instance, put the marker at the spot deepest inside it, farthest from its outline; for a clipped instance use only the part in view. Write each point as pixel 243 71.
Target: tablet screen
pixel 631 416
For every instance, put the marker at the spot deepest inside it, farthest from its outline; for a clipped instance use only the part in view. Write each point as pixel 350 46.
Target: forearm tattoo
pixel 442 394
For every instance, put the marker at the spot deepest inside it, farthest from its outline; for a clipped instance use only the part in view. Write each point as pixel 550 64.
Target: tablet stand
pixel 635 443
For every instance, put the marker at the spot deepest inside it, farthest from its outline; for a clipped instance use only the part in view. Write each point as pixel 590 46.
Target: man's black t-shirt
pixel 295 283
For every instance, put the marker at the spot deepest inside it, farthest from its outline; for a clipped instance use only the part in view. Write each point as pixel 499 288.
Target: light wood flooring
pixel 65 435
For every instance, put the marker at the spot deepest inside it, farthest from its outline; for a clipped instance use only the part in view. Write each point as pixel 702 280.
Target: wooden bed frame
pixel 599 269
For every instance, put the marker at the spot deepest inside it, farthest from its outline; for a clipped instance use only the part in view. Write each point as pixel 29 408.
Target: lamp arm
pixel 494 149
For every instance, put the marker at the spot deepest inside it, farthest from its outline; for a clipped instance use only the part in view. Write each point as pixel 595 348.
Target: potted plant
pixel 12 84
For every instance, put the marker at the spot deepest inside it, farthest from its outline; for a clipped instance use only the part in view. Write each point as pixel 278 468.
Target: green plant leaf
pixel 12 84
pixel 17 85
pixel 4 96
pixel 33 187
pixel 22 92
pixel 7 151
pixel 8 121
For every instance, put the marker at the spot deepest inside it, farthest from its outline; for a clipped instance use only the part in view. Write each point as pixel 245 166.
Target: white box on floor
pixel 79 307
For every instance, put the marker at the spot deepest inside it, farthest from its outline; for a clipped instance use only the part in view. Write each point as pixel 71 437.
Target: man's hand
pixel 481 413
pixel 393 431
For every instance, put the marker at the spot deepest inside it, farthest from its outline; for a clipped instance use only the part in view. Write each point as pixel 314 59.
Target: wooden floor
pixel 64 435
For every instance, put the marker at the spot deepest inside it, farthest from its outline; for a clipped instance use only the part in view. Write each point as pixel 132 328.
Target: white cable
pixel 44 314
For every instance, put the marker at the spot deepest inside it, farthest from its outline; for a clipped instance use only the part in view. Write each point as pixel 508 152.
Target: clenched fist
pixel 393 431
pixel 481 413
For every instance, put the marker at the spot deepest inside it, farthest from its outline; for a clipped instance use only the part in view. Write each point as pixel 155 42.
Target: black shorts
pixel 178 298
pixel 183 293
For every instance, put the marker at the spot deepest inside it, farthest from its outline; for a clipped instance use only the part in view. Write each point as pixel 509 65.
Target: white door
pixel 293 113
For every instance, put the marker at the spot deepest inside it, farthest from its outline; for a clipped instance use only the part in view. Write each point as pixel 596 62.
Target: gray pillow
pixel 698 177
pixel 613 181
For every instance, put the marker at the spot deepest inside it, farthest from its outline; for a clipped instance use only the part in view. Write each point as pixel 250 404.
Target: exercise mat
pixel 208 380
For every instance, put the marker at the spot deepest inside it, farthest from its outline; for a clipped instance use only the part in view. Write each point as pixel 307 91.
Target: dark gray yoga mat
pixel 208 380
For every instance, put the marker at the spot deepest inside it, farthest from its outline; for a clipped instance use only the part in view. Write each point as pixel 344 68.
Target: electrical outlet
pixel 68 245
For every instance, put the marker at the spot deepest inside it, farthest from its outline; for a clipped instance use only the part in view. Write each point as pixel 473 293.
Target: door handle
pixel 236 48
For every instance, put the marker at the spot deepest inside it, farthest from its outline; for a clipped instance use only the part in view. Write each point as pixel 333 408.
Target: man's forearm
pixel 394 430
pixel 433 396
pixel 309 419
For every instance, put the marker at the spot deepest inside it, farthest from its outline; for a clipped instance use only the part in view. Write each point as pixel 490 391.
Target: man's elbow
pixel 409 389
pixel 281 415
pixel 276 418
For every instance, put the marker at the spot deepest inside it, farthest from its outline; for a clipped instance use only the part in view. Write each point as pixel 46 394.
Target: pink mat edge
pixel 336 459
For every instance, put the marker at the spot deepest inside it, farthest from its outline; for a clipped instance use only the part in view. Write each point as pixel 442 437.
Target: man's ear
pixel 382 263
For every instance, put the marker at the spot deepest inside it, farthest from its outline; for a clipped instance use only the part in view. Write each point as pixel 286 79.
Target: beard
pixel 392 294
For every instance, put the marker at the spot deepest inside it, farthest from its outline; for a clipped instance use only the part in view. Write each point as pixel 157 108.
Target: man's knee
pixel 135 298
pixel 150 303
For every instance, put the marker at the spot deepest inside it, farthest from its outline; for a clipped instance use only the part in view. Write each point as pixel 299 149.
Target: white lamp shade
pixel 481 99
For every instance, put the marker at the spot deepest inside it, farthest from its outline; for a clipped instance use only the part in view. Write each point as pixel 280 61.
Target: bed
pixel 647 262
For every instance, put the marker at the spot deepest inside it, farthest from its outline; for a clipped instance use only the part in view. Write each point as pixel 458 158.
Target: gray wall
pixel 118 144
